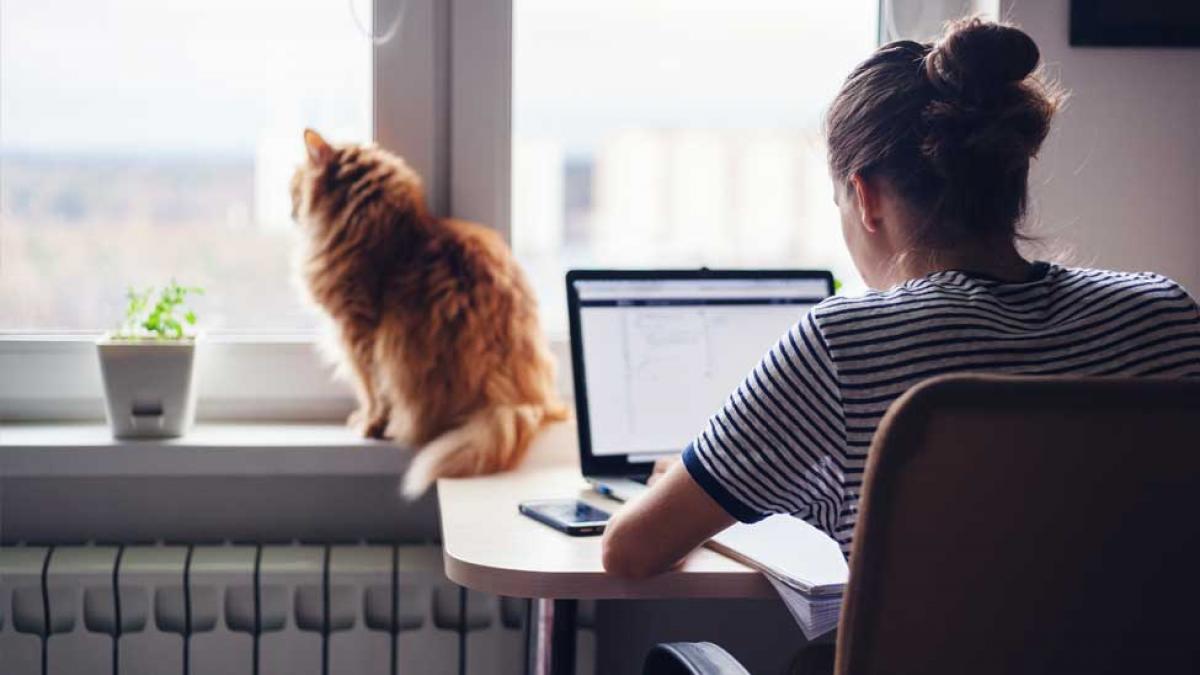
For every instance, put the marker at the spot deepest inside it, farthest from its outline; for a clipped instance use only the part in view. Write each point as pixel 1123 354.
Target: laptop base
pixel 620 488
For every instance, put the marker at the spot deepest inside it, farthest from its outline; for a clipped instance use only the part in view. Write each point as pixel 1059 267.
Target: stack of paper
pixel 816 615
pixel 805 566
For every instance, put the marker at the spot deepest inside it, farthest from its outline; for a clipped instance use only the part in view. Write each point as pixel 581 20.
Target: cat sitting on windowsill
pixel 437 327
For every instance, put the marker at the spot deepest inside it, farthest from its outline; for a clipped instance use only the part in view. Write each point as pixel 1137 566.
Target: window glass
pixel 677 133
pixel 143 140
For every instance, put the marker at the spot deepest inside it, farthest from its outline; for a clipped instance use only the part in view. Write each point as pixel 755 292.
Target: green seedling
pixel 164 318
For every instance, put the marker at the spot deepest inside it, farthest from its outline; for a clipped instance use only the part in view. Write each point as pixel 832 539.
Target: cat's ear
pixel 319 151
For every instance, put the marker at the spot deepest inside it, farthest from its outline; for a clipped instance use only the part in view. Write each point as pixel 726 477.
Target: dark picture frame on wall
pixel 1145 23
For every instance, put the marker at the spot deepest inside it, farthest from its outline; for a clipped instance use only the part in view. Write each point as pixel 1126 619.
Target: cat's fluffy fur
pixel 437 325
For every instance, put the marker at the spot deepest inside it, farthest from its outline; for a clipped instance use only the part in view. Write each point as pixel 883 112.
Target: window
pixel 677 133
pixel 142 140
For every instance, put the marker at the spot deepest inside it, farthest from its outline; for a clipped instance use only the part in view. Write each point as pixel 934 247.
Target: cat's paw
pixel 400 428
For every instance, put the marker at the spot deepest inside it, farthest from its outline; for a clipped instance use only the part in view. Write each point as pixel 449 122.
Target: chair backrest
pixel 1029 525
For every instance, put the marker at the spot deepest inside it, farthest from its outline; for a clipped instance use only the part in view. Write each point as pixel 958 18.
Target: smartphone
pixel 572 516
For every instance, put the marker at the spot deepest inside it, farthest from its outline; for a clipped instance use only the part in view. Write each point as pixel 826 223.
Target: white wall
pixel 1118 182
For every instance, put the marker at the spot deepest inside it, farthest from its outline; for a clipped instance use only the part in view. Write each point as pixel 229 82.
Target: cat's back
pixel 484 254
pixel 480 239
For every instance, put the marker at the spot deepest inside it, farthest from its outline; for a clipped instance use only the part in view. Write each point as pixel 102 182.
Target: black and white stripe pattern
pixel 793 438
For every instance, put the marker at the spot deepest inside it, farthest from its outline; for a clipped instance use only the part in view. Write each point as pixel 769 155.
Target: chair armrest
pixel 691 658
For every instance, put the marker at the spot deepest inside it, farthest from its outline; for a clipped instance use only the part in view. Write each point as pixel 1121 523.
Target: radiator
pixel 251 610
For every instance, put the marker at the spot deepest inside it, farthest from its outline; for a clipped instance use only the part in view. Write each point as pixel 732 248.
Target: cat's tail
pixel 492 439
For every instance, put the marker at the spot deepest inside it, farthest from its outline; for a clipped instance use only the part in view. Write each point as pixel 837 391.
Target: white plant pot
pixel 149 389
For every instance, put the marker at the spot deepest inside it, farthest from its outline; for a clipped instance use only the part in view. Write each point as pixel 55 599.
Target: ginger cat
pixel 437 325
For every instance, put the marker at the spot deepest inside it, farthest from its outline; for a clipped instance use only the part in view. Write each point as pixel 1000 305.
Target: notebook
pixel 804 565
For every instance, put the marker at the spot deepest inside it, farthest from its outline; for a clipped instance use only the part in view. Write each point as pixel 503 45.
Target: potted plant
pixel 147 365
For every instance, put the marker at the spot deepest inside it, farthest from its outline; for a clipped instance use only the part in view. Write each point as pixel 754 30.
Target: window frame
pixel 441 96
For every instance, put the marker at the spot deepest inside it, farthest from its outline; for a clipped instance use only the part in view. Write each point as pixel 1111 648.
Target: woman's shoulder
pixel 942 291
pixel 1118 281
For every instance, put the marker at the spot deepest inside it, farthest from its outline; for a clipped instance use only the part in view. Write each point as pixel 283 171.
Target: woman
pixel 929 150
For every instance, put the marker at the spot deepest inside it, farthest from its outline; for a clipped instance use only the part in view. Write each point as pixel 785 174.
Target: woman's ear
pixel 319 151
pixel 866 197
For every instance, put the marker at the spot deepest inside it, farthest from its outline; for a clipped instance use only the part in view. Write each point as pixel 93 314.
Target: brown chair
pixel 1029 525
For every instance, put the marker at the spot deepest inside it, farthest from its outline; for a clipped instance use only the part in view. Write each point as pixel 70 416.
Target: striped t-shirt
pixel 794 436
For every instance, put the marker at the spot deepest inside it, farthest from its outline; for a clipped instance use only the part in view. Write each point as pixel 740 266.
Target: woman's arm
pixel 656 530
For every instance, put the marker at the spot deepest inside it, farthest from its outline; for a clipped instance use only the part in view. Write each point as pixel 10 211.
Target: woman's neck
pixel 998 260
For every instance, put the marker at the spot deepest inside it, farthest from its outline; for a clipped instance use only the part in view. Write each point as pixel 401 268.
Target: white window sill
pixel 77 450
pixel 250 380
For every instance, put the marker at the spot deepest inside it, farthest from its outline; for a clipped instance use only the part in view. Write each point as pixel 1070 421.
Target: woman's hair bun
pixel 976 58
pixel 951 125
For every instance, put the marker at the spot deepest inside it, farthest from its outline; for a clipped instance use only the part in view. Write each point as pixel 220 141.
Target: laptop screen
pixel 660 356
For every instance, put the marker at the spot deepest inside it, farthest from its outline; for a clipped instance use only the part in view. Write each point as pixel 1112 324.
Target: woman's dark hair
pixel 951 125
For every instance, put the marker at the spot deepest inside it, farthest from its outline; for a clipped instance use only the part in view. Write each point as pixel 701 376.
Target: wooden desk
pixel 489 546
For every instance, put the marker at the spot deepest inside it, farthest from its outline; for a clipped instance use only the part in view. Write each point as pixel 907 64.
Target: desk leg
pixel 562 637
pixel 554 653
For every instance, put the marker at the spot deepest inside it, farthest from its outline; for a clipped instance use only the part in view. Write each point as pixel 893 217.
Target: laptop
pixel 656 352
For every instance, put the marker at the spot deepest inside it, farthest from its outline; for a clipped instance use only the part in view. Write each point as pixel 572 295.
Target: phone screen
pixel 573 512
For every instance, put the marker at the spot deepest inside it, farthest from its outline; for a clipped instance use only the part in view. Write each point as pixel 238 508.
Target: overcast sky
pixel 177 75
pixel 215 76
